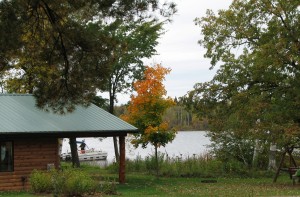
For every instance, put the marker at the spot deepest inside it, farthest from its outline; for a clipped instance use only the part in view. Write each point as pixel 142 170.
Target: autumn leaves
pixel 147 107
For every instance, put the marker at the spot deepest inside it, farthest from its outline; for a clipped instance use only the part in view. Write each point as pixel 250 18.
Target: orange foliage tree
pixel 147 107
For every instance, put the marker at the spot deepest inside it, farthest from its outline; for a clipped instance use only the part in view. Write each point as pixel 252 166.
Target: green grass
pixel 16 194
pixel 141 184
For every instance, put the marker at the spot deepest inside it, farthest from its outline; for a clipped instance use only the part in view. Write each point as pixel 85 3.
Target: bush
pixel 40 182
pixel 78 183
pixel 71 182
pixel 58 182
pixel 108 187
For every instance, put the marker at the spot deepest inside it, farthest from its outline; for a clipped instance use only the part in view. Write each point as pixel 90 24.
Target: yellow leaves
pixel 153 129
pixel 149 100
pixel 152 83
pixel 163 126
pixel 150 130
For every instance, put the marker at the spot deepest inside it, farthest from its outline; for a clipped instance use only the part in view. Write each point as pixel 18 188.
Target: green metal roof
pixel 19 114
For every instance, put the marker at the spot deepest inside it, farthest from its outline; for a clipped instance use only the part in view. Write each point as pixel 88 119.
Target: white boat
pixel 86 155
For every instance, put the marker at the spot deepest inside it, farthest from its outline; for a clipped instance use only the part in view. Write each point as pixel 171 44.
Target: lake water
pixel 186 143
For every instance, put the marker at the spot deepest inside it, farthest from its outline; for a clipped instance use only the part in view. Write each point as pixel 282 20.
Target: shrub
pixel 78 183
pixel 108 187
pixel 40 182
pixel 71 182
pixel 58 182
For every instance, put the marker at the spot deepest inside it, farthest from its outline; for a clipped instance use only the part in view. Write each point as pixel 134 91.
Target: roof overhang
pixel 19 117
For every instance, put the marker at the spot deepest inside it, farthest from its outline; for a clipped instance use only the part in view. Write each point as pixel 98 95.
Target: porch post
pixel 122 159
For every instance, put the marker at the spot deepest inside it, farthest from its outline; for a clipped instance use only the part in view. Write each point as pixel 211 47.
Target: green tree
pixel 56 43
pixel 254 94
pixel 146 110
pixel 132 42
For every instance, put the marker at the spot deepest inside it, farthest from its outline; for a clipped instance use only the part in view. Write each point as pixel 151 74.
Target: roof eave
pixel 67 134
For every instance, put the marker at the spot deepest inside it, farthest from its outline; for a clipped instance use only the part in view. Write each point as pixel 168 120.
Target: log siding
pixel 29 154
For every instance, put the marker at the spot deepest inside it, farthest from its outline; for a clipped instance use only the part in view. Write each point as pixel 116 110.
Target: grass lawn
pixel 139 185
pixel 147 185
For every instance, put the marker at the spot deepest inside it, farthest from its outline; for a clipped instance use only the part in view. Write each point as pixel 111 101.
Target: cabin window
pixel 6 156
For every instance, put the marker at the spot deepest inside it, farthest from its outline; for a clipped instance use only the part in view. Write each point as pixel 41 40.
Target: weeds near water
pixel 204 166
pixel 195 166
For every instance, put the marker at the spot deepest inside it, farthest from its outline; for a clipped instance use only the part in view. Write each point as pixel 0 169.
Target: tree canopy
pixel 255 46
pixel 133 42
pixel 62 48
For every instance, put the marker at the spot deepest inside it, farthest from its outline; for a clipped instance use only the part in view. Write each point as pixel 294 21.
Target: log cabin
pixel 29 137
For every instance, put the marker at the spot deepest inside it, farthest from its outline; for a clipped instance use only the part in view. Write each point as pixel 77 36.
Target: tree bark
pixel 255 153
pixel 117 155
pixel 122 165
pixel 272 157
pixel 156 160
pixel 74 153
pixel 111 110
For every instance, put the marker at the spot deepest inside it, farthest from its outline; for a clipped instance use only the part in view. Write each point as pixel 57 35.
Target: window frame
pixel 9 167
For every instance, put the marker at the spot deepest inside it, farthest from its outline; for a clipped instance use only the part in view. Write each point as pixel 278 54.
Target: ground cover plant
pixel 147 184
pixel 62 183
pixel 69 182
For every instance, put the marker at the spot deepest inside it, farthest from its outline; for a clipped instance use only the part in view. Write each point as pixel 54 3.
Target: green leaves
pixel 64 48
pixel 257 47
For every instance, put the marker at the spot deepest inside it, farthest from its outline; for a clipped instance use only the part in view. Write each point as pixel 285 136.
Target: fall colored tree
pixel 147 107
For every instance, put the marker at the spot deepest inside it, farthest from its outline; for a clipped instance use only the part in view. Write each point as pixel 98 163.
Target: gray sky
pixel 179 48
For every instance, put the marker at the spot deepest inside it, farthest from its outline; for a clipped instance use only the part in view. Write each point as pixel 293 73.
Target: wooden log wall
pixel 29 154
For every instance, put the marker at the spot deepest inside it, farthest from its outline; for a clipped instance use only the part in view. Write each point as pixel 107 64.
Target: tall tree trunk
pixel 74 153
pixel 255 153
pixel 122 165
pixel 156 160
pixel 117 155
pixel 111 110
pixel 272 157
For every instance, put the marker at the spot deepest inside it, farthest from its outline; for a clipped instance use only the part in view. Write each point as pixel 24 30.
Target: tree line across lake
pixel 178 116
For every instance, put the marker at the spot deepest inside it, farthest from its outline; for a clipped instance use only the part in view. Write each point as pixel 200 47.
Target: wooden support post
pixel 122 160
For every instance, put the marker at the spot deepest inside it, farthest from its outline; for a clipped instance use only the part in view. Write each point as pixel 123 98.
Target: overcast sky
pixel 179 48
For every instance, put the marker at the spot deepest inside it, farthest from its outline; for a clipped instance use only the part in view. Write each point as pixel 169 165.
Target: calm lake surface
pixel 186 143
